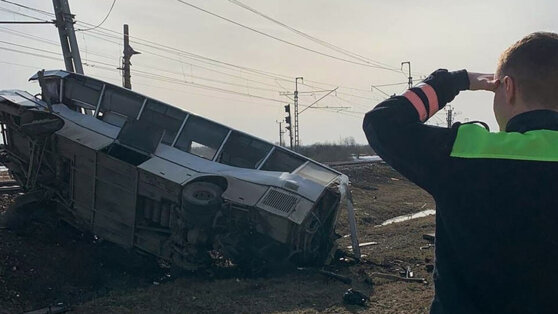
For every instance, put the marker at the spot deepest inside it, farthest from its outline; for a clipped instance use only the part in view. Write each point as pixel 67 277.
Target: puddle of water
pixel 420 214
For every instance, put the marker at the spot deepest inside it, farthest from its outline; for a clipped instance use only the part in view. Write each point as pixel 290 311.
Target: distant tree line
pixel 344 150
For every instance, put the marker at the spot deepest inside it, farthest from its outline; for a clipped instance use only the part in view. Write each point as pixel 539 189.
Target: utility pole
pixel 289 124
pixel 410 77
pixel 296 125
pixel 65 25
pixel 449 117
pixel 128 53
pixel 281 132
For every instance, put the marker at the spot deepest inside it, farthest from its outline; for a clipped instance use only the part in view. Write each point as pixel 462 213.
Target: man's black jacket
pixel 496 198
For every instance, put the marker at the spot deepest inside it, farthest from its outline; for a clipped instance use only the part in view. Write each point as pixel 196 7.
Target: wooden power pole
pixel 128 53
pixel 65 25
pixel 296 125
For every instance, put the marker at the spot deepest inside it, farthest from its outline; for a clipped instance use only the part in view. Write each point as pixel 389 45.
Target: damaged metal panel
pixel 243 192
pixel 84 136
pixel 86 121
pixel 168 170
pixel 115 199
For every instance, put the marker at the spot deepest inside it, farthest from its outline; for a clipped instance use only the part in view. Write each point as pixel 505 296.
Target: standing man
pixel 496 193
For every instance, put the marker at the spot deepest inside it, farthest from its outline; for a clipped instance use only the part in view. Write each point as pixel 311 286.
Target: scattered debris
pixel 352 220
pixel 395 277
pixel 420 214
pixel 355 297
pixel 333 275
pixel 60 308
pixel 350 247
pixel 428 246
pixel 407 272
pixel 429 236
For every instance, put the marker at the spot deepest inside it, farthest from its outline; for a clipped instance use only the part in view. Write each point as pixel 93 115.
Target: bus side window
pixel 282 161
pixel 243 151
pixel 201 137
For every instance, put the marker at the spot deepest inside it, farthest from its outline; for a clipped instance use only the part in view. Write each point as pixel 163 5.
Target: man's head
pixel 528 75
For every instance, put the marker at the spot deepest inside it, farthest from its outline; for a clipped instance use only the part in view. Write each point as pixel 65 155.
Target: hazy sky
pixel 429 34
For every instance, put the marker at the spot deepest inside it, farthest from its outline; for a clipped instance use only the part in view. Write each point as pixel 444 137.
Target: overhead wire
pixel 43 40
pixel 150 67
pixel 195 57
pixel 145 76
pixel 169 49
pixel 282 40
pixel 20 65
pixel 29 8
pixel 24 35
pixel 207 79
pixel 102 32
pixel 138 72
pixel 31 48
pixel 205 68
pixel 31 54
pixel 98 25
pixel 202 86
pixel 314 39
pixel 23 14
pixel 192 84
pixel 210 61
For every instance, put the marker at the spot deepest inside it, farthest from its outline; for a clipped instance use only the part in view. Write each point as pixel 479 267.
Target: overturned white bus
pixel 146 175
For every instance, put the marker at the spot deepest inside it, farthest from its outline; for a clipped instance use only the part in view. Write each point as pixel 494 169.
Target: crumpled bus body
pixel 149 176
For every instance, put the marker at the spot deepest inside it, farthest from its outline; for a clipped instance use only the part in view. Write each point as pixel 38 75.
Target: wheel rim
pixel 203 195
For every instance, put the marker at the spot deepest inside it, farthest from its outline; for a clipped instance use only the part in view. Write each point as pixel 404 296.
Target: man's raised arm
pixel 396 131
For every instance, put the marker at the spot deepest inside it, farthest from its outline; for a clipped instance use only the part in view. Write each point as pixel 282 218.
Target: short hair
pixel 532 62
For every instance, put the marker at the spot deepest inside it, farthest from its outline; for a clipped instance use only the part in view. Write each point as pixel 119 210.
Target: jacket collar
pixel 533 120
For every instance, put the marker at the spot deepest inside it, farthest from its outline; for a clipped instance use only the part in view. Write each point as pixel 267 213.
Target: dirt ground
pixel 48 265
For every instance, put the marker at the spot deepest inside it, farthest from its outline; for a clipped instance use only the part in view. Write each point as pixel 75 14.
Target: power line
pixel 165 87
pixel 381 91
pixel 208 69
pixel 43 40
pixel 21 65
pixel 352 103
pixel 32 48
pixel 21 34
pixel 144 74
pixel 190 55
pixel 29 8
pixel 346 113
pixel 213 62
pixel 99 25
pixel 26 22
pixel 314 39
pixel 31 54
pixel 210 61
pixel 282 40
pixel 324 96
pixel 212 80
pixel 343 93
pixel 167 79
pixel 203 78
pixel 23 14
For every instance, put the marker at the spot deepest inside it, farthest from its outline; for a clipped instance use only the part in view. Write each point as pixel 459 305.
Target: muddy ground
pixel 50 264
